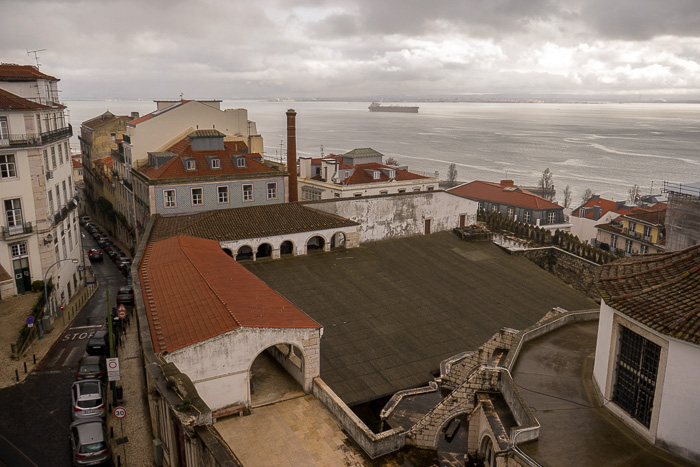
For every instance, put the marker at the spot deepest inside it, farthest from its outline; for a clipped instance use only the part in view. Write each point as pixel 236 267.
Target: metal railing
pixel 20 229
pixel 14 139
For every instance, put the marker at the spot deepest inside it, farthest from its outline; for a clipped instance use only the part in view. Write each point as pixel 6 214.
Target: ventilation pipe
pixel 292 155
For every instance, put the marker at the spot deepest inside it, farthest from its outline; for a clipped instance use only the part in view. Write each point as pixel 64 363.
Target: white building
pixel 39 234
pixel 360 172
pixel 647 361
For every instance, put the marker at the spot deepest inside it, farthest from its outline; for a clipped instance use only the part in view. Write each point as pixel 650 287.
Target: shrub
pixel 37 286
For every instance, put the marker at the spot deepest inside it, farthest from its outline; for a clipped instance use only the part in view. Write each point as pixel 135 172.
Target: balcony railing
pixel 20 229
pixel 14 140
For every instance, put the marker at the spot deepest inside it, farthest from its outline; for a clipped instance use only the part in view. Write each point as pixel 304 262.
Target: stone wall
pixel 374 444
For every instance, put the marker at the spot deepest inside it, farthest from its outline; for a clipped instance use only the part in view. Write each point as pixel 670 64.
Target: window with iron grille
pixel 636 370
pixel 19 249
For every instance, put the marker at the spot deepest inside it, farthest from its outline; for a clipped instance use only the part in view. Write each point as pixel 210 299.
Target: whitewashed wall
pixel 404 215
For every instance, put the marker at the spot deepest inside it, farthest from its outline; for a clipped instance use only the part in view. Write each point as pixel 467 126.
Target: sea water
pixel 607 148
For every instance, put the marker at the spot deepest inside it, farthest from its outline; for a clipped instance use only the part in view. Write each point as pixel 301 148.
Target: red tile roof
pixel 605 206
pixel 657 217
pixel 502 193
pixel 660 291
pixel 175 168
pixel 194 291
pixel 12 72
pixel 361 176
pixel 76 164
pixel 9 101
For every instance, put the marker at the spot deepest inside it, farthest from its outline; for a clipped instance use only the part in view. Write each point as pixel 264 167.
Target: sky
pixel 358 48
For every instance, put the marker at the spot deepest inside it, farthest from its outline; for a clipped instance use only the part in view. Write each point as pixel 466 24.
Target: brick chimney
pixel 505 183
pixel 292 155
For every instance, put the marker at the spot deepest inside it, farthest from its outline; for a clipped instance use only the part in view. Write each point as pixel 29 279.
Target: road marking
pixel 85 327
pixel 69 359
pixel 7 441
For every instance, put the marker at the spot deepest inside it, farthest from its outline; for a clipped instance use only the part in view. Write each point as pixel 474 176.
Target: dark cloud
pixel 643 19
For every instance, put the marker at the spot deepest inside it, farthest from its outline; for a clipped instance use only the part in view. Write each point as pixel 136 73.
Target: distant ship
pixel 377 107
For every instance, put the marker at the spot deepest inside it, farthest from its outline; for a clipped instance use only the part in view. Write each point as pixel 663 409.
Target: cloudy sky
pixel 358 48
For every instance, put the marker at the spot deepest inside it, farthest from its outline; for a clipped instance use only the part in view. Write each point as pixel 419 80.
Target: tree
pixel 392 161
pixel 546 185
pixel 633 194
pixel 567 196
pixel 452 174
pixel 588 194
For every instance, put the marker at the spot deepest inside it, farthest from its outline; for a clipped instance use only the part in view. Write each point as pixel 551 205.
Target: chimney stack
pixel 292 155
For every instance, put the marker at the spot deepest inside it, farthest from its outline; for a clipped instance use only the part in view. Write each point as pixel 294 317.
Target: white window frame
pixel 167 202
pixel 4 129
pixel 247 194
pixel 527 216
pixel 215 163
pixel 200 195
pixel 19 250
pixel 219 194
pixel 240 162
pixel 272 190
pixel 8 166
pixel 190 165
pixel 551 217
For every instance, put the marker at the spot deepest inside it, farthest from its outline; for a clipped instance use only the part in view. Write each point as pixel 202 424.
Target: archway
pixel 286 248
pixel 315 243
pixel 228 252
pixel 453 439
pixel 276 374
pixel 487 453
pixel 245 253
pixel 338 240
pixel 264 251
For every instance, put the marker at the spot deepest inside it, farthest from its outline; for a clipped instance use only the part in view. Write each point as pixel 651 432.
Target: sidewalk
pixel 13 314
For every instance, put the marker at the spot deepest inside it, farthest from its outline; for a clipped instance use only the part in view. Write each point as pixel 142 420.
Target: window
pixel 240 162
pixel 19 249
pixel 53 156
pixel 613 241
pixel 58 198
pixel 462 220
pixel 216 163
pixel 65 192
pixel 70 240
pixel 51 202
pixel 63 245
pixel 510 213
pixel 357 195
pixel 647 233
pixel 4 129
pixel 272 190
pixel 375 175
pixel 169 198
pixel 628 246
pixel 190 164
pixel 60 154
pixel 38 124
pixel 636 369
pixel 431 188
pixel 113 137
pixel 384 192
pixel 551 217
pixel 644 249
pixel 46 159
pixel 55 250
pixel 13 213
pixel 402 190
pixel 247 192
pixel 494 208
pixel 416 188
pixel 527 216
pixel 7 166
pixel 197 197
pixel 70 185
pixel 632 227
pixel 222 194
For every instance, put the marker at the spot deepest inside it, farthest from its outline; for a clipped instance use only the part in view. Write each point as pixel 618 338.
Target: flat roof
pixel 393 310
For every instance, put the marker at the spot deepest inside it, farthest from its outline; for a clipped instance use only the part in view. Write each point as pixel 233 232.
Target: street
pixel 36 414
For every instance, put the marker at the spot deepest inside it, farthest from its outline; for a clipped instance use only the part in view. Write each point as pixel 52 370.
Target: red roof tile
pixel 361 176
pixel 605 206
pixel 194 291
pixel 12 72
pixel 502 193
pixel 175 168
pixel 661 291
pixel 9 101
pixel 76 164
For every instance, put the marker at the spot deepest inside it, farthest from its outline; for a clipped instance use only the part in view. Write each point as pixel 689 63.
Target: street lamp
pixel 46 295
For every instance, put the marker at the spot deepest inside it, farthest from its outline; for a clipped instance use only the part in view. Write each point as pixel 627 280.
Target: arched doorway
pixel 338 240
pixel 286 248
pixel 487 453
pixel 276 374
pixel 245 253
pixel 228 252
pixel 315 244
pixel 264 251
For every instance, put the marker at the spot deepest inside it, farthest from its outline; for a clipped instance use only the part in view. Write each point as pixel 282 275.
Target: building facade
pixel 639 232
pixel 39 235
pixel 360 172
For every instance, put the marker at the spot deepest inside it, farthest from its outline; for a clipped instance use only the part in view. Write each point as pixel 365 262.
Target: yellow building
pixel 639 232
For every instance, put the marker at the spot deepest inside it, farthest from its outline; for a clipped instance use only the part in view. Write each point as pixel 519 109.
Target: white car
pixel 88 399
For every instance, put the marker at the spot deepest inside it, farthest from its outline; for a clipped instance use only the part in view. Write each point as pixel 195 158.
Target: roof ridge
pixel 206 281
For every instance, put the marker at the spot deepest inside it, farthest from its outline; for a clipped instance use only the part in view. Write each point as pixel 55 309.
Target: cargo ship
pixel 377 107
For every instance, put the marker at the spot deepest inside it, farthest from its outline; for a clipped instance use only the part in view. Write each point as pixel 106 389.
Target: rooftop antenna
pixel 36 56
pixel 321 151
pixel 181 95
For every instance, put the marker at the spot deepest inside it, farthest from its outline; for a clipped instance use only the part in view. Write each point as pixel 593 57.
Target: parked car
pixel 95 255
pixel 92 367
pixel 113 252
pixel 98 344
pixel 89 442
pixel 84 220
pixel 125 295
pixel 125 266
pixel 103 242
pixel 88 399
pixel 92 229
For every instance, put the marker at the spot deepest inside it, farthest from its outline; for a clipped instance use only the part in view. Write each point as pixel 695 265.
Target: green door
pixel 22 277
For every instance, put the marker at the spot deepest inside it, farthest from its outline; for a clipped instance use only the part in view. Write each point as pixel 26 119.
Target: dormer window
pixel 375 175
pixel 190 165
pixel 240 162
pixel 215 163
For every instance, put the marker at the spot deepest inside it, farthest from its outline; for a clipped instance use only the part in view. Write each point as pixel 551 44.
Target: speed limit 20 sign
pixel 119 412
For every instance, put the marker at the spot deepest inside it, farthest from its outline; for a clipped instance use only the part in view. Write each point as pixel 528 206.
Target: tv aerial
pixel 36 55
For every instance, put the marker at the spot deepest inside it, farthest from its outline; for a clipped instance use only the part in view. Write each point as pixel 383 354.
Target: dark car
pixel 89 442
pixel 113 252
pixel 98 343
pixel 95 255
pixel 124 266
pixel 103 242
pixel 125 295
pixel 92 367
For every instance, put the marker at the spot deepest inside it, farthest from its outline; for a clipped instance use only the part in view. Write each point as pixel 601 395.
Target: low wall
pixel 374 444
pixel 528 426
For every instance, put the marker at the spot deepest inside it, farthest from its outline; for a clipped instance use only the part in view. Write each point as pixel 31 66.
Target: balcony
pixel 18 140
pixel 15 230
